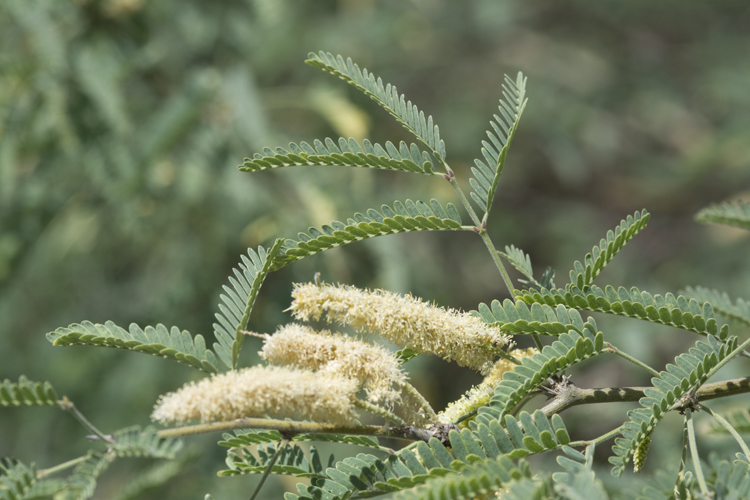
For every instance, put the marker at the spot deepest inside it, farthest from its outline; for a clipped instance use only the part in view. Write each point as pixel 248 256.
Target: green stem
pixel 380 411
pixel 600 439
pixel 423 403
pixel 623 354
pixel 450 177
pixel 694 451
pixel 270 465
pixel 730 429
pixel 65 465
pixel 67 405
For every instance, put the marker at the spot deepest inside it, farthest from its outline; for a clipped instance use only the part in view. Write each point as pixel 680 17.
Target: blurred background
pixel 123 122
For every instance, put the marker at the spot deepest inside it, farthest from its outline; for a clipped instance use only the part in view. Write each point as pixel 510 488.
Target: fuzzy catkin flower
pixel 260 391
pixel 480 394
pixel 374 367
pixel 406 321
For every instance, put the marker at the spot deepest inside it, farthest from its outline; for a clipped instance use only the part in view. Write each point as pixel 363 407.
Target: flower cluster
pixel 374 367
pixel 406 321
pixel 261 391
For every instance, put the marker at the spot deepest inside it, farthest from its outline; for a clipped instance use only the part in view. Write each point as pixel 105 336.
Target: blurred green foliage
pixel 122 122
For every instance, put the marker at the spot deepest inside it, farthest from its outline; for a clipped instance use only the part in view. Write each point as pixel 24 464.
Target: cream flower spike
pixel 406 321
pixel 261 391
pixel 374 367
pixel 480 395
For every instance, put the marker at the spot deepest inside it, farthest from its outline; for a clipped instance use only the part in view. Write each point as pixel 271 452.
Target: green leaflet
pixel 348 153
pixel 137 442
pixel 521 261
pixel 721 303
pixel 81 484
pixel 16 479
pixel 26 392
pixel 237 304
pixel 732 214
pixel 487 172
pixel 569 349
pixel 583 274
pixel 403 217
pixel 518 318
pixel 690 370
pixel 171 344
pixel 667 310
pixel 387 96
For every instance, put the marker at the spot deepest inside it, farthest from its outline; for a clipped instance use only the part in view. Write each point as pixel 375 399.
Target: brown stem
pixel 569 395
pixel 289 429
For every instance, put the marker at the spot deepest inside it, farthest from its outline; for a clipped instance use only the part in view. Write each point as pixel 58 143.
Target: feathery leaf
pixel 666 310
pixel 521 261
pixel 689 371
pixel 583 274
pixel 487 172
pixel 239 300
pixel 26 392
pixel 387 96
pixel 732 214
pixel 346 153
pixel 722 304
pixel 171 344
pixel 403 217
pixel 518 318
pixel 16 479
pixel 137 442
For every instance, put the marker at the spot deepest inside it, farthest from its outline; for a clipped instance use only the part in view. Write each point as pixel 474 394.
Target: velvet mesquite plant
pixel 314 385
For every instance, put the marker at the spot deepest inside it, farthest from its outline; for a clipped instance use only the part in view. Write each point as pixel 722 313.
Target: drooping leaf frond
pixel 526 489
pixel 732 214
pixel 487 172
pixel 722 304
pixel 137 442
pixel 81 484
pixel 171 344
pixel 403 217
pixel 690 370
pixel 667 310
pixel 238 302
pixel 521 261
pixel 16 479
pixel 347 153
pixel 386 96
pixel 583 274
pixel 517 318
pixel 26 392
pixel 570 348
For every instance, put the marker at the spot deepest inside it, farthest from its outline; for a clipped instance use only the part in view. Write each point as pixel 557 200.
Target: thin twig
pixel 270 465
